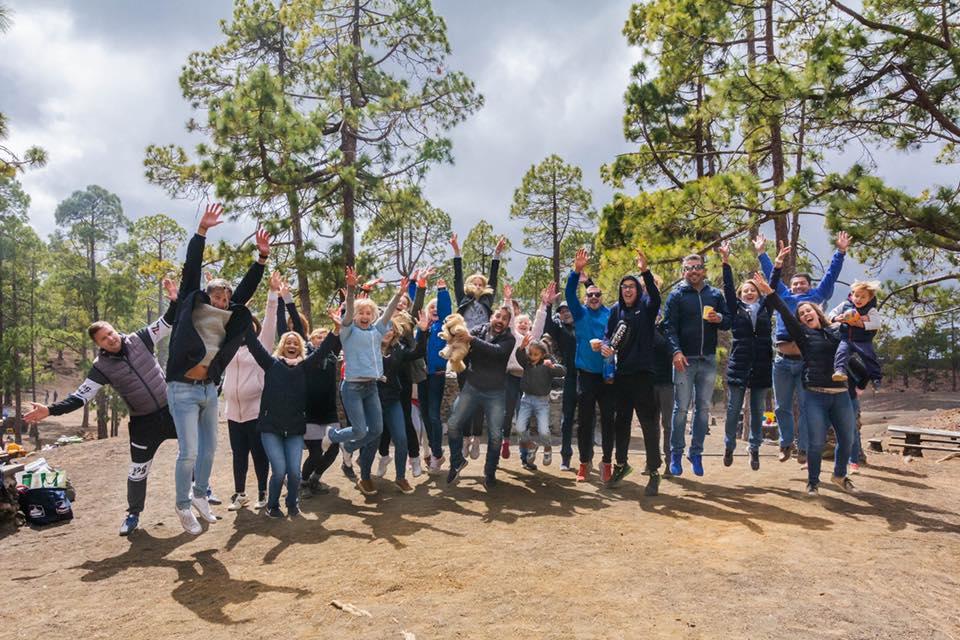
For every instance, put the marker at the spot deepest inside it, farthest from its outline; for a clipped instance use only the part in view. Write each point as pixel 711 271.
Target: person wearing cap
pixel 209 327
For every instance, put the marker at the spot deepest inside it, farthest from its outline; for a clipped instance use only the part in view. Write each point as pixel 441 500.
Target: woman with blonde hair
pixel 282 421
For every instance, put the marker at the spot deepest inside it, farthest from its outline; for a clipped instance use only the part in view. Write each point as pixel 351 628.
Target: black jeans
pixel 569 414
pixel 318 460
pixel 591 392
pixel 146 434
pixel 634 395
pixel 512 400
pixel 245 443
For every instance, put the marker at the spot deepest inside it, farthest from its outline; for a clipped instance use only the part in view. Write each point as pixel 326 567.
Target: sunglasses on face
pixel 693 267
pixel 594 294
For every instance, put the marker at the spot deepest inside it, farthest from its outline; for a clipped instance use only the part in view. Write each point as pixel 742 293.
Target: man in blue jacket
pixel 590 327
pixel 692 324
pixel 788 365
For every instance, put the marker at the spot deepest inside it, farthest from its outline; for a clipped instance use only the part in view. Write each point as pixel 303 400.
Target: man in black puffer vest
pixel 208 329
pixel 128 362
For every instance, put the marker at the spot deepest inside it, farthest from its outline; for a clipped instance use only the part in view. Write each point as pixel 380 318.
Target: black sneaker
pixel 653 485
pixel 348 471
pixel 728 457
pixel 454 474
pixel 293 512
pixel 620 471
pixel 529 466
pixel 274 513
pixel 754 459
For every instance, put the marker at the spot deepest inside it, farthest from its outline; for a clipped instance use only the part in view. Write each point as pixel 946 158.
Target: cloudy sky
pixel 95 81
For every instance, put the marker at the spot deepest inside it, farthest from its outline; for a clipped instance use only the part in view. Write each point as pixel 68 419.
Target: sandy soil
pixel 733 554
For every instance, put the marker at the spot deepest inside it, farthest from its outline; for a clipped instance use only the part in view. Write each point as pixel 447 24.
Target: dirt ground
pixel 733 554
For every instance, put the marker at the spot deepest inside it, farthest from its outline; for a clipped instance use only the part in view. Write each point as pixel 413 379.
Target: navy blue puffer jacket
pixel 751 357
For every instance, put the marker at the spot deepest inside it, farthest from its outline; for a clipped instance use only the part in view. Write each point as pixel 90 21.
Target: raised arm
pixel 458 291
pixel 825 289
pixel 157 330
pixel 248 286
pixel 773 299
pixel 570 293
pixel 729 290
pixel 268 330
pixel 384 320
pixel 261 355
pixel 495 264
pixel 348 302
pixel 444 304
pixel 419 289
pixel 330 344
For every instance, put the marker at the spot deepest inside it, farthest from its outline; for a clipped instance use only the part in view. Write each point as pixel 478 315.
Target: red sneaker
pixel 583 472
pixel 606 470
pixel 505 449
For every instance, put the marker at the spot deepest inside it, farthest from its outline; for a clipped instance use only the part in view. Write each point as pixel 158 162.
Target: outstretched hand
pixel 37 413
pixel 351 277
pixel 843 241
pixel 785 250
pixel 760 243
pixel 212 216
pixel 423 320
pixel 263 242
pixel 404 283
pixel 581 260
pixel 334 314
pixel 501 244
pixel 455 244
pixel 275 281
pixel 724 251
pixel 171 288
pixel 508 292
pixel 761 284
pixel 548 294
pixel 642 264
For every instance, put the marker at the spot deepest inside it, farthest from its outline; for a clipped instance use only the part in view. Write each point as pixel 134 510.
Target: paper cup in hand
pixel 595 344
pixel 707 310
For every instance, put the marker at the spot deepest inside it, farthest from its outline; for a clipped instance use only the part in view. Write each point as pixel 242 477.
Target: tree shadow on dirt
pixel 894 470
pixel 287 532
pixel 899 514
pixel 730 504
pixel 204 585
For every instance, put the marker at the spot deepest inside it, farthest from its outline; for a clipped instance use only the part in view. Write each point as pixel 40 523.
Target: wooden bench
pixel 914 440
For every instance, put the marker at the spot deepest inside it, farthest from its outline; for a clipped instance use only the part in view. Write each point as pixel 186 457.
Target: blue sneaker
pixel 676 463
pixel 696 461
pixel 131 522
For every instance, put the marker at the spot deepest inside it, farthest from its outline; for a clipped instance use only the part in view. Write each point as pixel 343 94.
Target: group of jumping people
pixel 378 377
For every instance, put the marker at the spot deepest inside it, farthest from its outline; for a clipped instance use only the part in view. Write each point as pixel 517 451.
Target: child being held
pixel 538 375
pixel 861 321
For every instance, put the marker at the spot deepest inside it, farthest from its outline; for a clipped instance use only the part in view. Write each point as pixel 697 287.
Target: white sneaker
pixel 547 458
pixel 203 508
pixel 383 466
pixel 436 464
pixel 189 522
pixel 346 456
pixel 475 448
pixel 415 469
pixel 532 455
pixel 237 502
pixel 261 500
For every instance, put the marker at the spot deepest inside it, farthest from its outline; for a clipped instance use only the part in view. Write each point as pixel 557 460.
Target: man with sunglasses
pixel 692 324
pixel 590 327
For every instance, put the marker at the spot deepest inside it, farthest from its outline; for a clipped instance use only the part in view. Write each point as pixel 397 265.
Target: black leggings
pixel 318 460
pixel 591 392
pixel 245 442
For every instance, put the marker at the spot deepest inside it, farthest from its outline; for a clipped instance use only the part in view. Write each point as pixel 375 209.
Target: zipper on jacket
pixel 143 382
pixel 700 298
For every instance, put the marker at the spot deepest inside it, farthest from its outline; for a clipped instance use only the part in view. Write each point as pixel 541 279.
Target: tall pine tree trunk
pixel 776 151
pixel 299 254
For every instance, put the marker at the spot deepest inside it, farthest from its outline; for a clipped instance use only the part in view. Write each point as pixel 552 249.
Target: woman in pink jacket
pixel 242 387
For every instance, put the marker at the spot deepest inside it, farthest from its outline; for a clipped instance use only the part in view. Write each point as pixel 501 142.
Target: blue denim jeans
pixel 471 401
pixel 436 385
pixel 788 380
pixel 284 455
pixel 758 402
pixel 194 411
pixel 694 384
pixel 825 410
pixel 361 401
pixel 534 406
pixel 393 420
